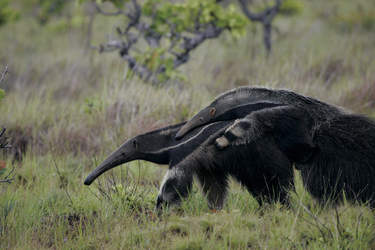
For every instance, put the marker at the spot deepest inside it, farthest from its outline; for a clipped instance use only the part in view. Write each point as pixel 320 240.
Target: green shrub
pixel 364 20
pixel 7 14
pixel 291 7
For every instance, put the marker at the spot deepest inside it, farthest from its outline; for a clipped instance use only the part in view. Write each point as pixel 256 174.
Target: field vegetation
pixel 67 107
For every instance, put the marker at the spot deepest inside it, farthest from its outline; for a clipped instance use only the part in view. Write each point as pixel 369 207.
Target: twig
pixel 58 172
pixel 265 17
pixel 7 180
pixel 4 142
pixel 6 177
pixel 99 10
pixel 5 72
pixel 103 192
pixel 316 220
pixel 316 225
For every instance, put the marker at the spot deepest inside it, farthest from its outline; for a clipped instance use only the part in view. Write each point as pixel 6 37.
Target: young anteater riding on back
pixel 259 165
pixel 333 148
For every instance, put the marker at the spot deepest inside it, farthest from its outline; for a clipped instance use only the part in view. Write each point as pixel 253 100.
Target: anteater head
pixel 153 146
pixel 127 152
pixel 176 185
pixel 231 105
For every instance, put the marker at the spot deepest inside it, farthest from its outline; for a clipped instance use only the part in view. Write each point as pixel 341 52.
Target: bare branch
pixel 137 68
pixel 191 43
pixel 99 10
pixel 5 72
pixel 4 141
pixel 252 16
pixel 2 131
pixel 7 180
pixel 6 177
pixel 265 17
pixel 134 16
pixel 142 30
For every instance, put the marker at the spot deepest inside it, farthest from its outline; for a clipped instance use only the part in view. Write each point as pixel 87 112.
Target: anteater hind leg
pixel 268 191
pixel 214 186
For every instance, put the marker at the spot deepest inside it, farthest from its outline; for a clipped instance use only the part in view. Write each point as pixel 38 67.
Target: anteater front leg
pixel 214 186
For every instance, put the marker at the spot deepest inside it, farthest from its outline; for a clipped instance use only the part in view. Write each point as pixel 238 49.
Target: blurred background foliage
pixel 323 49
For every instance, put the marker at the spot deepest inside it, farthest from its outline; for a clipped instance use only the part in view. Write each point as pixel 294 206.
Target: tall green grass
pixel 68 108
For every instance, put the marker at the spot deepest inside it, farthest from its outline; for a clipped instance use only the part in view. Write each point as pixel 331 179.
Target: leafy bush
pixel 171 30
pixel 2 94
pixel 132 197
pixel 364 20
pixel 49 8
pixel 291 7
pixel 3 141
pixel 7 14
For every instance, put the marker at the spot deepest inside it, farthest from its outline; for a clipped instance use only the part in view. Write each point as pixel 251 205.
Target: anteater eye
pixel 134 143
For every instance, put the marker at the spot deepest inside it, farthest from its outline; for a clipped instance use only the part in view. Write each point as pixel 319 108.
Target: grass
pixel 68 108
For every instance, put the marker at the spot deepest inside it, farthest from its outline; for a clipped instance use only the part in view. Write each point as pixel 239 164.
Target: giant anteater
pixel 259 165
pixel 334 149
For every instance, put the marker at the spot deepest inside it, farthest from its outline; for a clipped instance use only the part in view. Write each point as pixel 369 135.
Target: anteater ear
pixel 212 111
pixel 134 143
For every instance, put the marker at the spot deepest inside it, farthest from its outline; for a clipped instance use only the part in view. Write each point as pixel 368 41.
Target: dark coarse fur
pixel 260 166
pixel 232 101
pixel 344 160
pixel 333 148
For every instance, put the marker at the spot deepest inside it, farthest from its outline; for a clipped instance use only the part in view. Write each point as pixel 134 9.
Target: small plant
pixel 4 212
pixel 359 19
pixel 291 7
pixel 132 197
pixel 6 14
pixel 4 143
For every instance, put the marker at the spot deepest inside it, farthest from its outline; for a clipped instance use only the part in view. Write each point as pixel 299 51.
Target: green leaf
pixel 2 94
pixel 2 171
pixel 7 14
pixel 118 3
pixel 168 63
pixel 147 9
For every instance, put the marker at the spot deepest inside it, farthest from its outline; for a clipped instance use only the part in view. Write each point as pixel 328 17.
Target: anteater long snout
pixel 120 156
